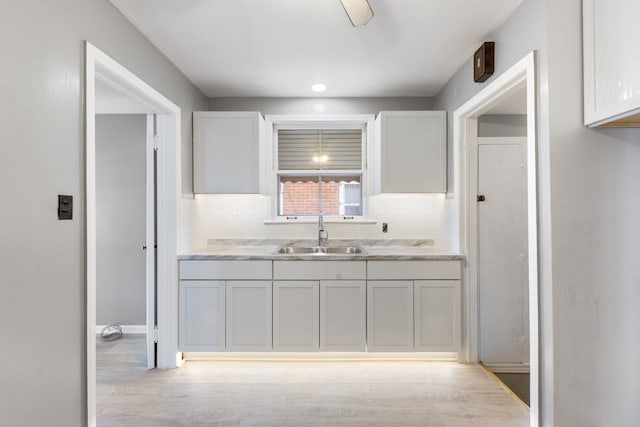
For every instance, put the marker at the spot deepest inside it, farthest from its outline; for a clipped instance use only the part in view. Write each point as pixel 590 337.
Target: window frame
pixel 273 123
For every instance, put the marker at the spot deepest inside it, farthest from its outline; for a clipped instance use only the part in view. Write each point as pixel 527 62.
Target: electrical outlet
pixel 385 227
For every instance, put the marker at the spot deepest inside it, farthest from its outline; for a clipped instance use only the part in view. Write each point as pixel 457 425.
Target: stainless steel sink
pixel 346 250
pixel 296 250
pixel 334 250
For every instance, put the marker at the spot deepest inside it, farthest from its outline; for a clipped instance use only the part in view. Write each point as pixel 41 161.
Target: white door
pixel 202 315
pixel 296 316
pixel 248 315
pixel 343 308
pixel 502 240
pixel 390 315
pixel 436 315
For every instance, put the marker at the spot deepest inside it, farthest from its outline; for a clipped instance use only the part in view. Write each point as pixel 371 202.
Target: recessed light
pixel 318 87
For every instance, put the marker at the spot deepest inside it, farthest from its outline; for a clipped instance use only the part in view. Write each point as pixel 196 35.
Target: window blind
pixel 319 149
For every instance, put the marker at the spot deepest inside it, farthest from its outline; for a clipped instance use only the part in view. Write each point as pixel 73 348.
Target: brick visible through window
pixel 320 170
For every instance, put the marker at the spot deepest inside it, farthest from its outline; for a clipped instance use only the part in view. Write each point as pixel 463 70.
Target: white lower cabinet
pixel 202 319
pixel 248 315
pixel 431 288
pixel 224 305
pixel 437 315
pixel 343 315
pixel 378 306
pixel 390 315
pixel 296 319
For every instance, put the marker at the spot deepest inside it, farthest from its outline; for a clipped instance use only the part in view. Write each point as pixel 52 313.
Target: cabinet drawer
pixel 410 270
pixel 319 270
pixel 224 270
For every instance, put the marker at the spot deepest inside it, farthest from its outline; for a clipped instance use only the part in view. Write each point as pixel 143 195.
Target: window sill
pixel 336 220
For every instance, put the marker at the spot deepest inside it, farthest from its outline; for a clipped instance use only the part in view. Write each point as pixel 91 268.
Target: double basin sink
pixel 320 250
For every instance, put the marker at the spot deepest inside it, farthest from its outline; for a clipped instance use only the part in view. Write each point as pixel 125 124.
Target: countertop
pixel 374 250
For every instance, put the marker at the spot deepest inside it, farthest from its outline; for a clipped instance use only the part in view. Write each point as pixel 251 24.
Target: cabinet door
pixel 413 151
pixel 248 315
pixel 296 317
pixel 390 315
pixel 611 60
pixel 202 316
pixel 226 152
pixel 343 315
pixel 437 315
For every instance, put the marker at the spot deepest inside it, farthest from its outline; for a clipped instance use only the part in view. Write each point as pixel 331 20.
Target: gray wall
pixel 42 364
pixel 121 218
pixel 589 230
pixel 500 125
pixel 596 274
pixel 524 31
pixel 320 105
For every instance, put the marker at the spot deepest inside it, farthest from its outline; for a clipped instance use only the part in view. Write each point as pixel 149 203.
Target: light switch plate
pixel 65 207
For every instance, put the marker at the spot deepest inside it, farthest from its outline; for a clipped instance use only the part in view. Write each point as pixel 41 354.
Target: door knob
pixel 481 198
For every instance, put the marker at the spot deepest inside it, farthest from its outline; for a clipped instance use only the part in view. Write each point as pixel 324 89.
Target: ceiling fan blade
pixel 359 11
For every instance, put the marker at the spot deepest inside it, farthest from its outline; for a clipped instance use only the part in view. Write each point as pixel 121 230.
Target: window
pixel 319 170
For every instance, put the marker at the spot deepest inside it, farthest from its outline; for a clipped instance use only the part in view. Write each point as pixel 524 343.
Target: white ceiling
pixel 264 48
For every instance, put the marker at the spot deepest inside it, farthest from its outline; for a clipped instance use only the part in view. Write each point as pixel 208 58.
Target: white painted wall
pixel 41 258
pixel 410 216
pixel 121 141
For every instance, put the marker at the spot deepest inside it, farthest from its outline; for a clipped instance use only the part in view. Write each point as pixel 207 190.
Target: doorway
pixel 161 118
pixel 520 77
pixel 502 261
pixel 125 201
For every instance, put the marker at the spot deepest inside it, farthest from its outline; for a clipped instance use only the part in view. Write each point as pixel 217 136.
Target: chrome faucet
pixel 323 235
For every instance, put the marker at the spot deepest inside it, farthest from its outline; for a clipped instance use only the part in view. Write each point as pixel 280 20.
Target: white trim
pixel 150 252
pixel 100 66
pixel 269 177
pixel 508 368
pixel 464 134
pixel 126 329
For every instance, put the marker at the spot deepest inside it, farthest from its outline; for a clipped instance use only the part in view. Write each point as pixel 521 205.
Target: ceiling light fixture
pixel 359 11
pixel 318 87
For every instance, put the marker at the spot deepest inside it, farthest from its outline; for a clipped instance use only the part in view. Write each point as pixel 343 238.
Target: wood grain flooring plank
pixel 308 393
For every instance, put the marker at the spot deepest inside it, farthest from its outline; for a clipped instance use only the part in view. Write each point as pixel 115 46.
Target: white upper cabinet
pixel 226 152
pixel 611 63
pixel 412 152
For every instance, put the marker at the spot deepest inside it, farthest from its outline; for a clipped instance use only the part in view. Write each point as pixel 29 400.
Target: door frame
pixel 465 134
pixel 98 65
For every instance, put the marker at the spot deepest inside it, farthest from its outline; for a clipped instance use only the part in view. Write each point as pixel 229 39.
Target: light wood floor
pixel 297 393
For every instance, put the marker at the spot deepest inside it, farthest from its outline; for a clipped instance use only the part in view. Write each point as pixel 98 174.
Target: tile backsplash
pixel 409 216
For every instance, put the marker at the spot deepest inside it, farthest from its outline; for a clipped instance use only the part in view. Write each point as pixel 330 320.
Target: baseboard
pixel 126 329
pixel 508 368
